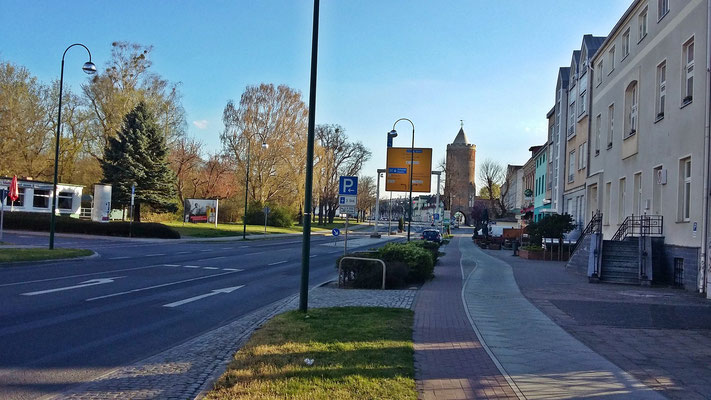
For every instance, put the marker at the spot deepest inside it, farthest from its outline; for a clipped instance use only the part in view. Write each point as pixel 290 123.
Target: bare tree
pixel 186 162
pixel 366 195
pixel 491 174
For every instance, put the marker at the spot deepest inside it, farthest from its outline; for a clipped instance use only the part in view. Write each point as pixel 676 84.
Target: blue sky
pixel 491 63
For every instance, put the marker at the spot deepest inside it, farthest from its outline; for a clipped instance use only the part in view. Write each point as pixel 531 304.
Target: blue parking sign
pixel 348 185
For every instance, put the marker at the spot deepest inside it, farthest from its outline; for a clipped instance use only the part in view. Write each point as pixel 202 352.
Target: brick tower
pixel 459 187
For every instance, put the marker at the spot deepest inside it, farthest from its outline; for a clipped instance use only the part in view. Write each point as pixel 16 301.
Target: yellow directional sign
pixel 398 171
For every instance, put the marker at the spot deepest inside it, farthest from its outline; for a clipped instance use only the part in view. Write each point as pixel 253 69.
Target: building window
pixel 598 122
pixel 610 124
pixel 582 103
pixel 626 43
pixel 571 119
pixel 580 157
pixel 631 102
pixel 611 56
pixel 41 199
pixel 571 167
pixel 584 156
pixel 662 8
pixel 599 71
pixel 661 89
pixel 637 194
pixel 64 200
pixel 621 201
pixel 642 21
pixel 687 83
pixel 20 202
pixel 607 205
pixel 684 189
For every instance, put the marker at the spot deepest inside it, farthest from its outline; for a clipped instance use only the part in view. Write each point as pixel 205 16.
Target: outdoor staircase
pixel 620 261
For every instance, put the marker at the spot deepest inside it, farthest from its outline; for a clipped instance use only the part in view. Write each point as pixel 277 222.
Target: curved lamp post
pixel 90 69
pixel 393 133
pixel 265 145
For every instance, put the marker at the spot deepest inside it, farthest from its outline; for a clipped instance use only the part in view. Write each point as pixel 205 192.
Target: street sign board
pixel 398 169
pixel 347 200
pixel 350 210
pixel 267 210
pixel 336 232
pixel 436 217
pixel 348 185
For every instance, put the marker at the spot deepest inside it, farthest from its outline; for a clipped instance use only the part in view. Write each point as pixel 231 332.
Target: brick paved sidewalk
pixel 450 362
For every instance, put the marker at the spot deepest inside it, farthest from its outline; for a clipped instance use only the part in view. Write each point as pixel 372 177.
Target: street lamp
pixel 265 145
pixel 90 69
pixel 393 132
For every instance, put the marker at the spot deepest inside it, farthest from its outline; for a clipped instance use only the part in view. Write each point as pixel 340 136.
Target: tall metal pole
pixel 306 242
pixel 89 68
pixel 390 214
pixel 56 158
pixel 412 167
pixel 246 190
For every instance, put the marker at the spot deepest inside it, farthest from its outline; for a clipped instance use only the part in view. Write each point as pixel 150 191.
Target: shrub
pixel 532 248
pixel 551 226
pixel 418 260
pixel 40 222
pixel 432 247
pixel 278 216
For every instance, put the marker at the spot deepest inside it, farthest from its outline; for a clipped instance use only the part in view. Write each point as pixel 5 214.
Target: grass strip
pixel 14 255
pixel 225 230
pixel 358 353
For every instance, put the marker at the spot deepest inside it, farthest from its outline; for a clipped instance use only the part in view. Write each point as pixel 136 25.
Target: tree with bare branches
pixel 491 175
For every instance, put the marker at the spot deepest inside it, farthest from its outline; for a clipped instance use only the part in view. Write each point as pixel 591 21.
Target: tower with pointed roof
pixel 459 186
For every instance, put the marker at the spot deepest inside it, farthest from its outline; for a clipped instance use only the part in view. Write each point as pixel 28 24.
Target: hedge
pixel 406 263
pixel 279 216
pixel 40 222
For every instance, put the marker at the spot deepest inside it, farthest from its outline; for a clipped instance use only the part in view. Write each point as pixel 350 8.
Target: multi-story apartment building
pixel 540 158
pixel 528 182
pixel 579 90
pixel 650 134
pixel 549 166
pixel 512 187
pixel 556 141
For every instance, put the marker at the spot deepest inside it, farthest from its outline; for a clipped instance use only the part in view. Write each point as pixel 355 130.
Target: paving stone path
pixel 450 361
pixel 188 371
pixel 542 359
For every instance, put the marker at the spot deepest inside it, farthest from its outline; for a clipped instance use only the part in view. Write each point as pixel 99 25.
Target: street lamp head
pixel 265 145
pixel 89 67
pixel 392 133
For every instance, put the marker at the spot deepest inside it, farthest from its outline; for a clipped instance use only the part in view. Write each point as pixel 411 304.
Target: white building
pixel 649 133
pixel 35 196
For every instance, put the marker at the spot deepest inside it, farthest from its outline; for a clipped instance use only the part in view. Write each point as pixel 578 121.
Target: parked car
pixel 431 235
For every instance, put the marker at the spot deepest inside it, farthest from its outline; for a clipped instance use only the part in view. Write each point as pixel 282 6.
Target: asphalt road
pixel 62 323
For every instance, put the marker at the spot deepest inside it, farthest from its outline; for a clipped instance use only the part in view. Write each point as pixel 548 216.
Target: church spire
pixel 461 136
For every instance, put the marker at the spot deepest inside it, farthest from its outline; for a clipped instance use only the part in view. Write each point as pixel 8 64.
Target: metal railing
pixel 342 277
pixel 640 226
pixel 594 226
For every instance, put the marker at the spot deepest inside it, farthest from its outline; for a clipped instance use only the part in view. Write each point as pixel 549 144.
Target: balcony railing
pixel 639 226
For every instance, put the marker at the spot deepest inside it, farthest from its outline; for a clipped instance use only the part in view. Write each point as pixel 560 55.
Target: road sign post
pixel 348 194
pixel 130 224
pixel 266 214
pixel 3 195
pixel 335 232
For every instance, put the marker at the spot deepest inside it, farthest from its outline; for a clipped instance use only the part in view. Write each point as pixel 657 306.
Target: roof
pixel 550 113
pixel 593 43
pixel 564 74
pixel 461 137
pixel 620 23
pixel 576 57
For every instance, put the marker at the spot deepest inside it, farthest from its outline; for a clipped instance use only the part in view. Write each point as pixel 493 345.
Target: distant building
pixel 36 196
pixel 539 192
pixel 511 189
pixel 460 176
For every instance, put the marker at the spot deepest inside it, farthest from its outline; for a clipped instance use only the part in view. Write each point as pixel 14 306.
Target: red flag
pixel 14 192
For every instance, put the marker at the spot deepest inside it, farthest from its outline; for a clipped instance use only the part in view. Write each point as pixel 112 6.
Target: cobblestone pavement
pixel 450 362
pixel 661 336
pixel 543 360
pixel 187 371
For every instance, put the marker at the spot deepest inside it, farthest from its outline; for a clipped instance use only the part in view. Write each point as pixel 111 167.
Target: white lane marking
pixel 155 255
pixel 233 269
pixel 277 263
pixel 183 252
pixel 91 282
pixel 159 286
pixel 313 255
pixel 251 254
pixel 210 268
pixel 79 275
pixel 211 258
pixel 205 250
pixel 171 265
pixel 226 248
pixel 202 296
pixel 191 266
pixel 119 258
pixel 334 252
pixel 243 247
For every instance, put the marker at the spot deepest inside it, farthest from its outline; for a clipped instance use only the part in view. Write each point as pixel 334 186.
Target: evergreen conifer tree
pixel 138 154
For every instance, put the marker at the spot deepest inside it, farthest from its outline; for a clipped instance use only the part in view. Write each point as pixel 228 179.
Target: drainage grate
pixel 678 272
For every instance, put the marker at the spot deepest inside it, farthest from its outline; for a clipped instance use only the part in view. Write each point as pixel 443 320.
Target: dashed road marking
pixel 155 255
pixel 210 268
pixel 191 266
pixel 277 263
pixel 119 258
pixel 232 269
pixel 171 265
